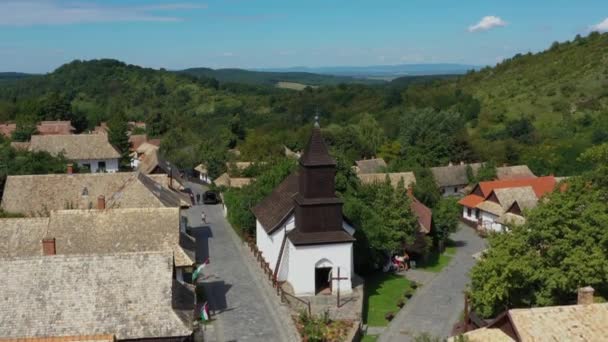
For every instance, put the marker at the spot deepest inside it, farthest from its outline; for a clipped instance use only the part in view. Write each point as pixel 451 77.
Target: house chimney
pixel 585 295
pixel 48 246
pixel 70 168
pixel 462 162
pixel 101 202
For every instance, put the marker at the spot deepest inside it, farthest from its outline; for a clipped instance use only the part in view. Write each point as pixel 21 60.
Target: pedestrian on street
pixel 204 217
pixel 198 198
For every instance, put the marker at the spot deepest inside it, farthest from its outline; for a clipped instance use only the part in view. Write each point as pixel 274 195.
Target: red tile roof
pixel 540 185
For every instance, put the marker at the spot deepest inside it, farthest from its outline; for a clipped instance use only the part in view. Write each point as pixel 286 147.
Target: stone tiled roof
pixel 55 127
pixel 562 323
pixel 79 338
pixel 453 175
pixel 97 232
pixel 36 195
pixel 514 172
pixel 485 335
pixel 277 206
pixel 127 295
pixel 22 236
pixel 375 165
pixel 370 178
pixel 75 146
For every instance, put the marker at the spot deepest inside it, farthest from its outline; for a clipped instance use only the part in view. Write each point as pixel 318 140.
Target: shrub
pixel 400 303
pixel 389 316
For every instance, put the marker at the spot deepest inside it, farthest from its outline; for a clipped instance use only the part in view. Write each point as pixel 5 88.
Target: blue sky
pixel 40 35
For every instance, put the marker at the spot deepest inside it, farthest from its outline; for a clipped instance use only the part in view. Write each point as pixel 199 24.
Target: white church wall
pixel 304 259
pixel 270 245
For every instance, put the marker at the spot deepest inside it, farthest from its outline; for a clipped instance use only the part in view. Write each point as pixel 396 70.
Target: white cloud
pixel 601 27
pixel 487 23
pixel 53 12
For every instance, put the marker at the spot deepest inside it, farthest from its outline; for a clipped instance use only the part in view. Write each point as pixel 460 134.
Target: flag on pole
pixel 199 269
pixel 205 312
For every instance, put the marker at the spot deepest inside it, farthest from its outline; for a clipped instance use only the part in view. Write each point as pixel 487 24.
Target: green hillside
pixel 542 109
pixel 272 78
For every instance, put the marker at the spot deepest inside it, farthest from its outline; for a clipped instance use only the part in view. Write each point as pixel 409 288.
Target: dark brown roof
pixel 423 214
pixel 316 153
pixel 275 208
pixel 318 238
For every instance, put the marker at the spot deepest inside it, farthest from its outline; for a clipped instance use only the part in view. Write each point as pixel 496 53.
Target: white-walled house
pixel 87 150
pixel 300 229
pixel 494 205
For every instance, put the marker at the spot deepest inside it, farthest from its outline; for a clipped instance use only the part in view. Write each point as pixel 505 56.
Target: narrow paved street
pixel 437 305
pixel 240 307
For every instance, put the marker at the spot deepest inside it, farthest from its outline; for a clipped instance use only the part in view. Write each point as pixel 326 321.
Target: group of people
pixel 398 263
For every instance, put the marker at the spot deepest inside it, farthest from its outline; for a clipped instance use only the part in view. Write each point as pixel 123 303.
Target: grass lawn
pixel 369 338
pixel 382 292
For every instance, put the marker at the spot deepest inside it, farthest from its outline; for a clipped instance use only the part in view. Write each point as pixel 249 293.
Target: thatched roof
pixel 55 127
pixel 36 195
pixel 375 165
pixel 75 146
pixel 98 232
pixel 370 178
pixel 453 175
pixel 129 295
pixel 514 172
pixel 225 180
pixel 7 129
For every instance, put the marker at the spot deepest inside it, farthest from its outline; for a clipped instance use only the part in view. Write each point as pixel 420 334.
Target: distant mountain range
pixel 9 76
pixel 383 71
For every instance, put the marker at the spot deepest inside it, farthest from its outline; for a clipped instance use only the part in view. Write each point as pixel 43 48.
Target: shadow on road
pixel 218 289
pixel 201 235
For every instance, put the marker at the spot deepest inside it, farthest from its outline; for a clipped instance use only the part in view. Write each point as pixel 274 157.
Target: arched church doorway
pixel 323 276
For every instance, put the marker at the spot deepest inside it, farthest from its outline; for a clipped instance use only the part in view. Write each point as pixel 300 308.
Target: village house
pixel 300 228
pixel 453 180
pixel 7 129
pixel 224 180
pixel 151 163
pixel 107 297
pixel 585 321
pixel 203 173
pixel 92 151
pixel 100 231
pixel 37 195
pixel 408 178
pixel 366 166
pixel 55 128
pixel 494 205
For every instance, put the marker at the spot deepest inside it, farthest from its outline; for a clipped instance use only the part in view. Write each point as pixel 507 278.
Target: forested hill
pixel 542 108
pixel 273 78
pixel 10 76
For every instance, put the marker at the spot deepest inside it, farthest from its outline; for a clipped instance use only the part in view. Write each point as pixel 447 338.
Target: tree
pixel 119 138
pixel 445 220
pixel 26 126
pixel 425 189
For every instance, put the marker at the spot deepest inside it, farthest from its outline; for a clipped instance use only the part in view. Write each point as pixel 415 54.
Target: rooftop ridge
pixel 126 210
pixel 167 252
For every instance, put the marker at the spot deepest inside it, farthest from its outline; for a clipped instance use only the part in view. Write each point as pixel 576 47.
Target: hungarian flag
pixel 205 312
pixel 199 269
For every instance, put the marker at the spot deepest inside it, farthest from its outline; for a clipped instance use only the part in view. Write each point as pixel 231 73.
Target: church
pixel 300 228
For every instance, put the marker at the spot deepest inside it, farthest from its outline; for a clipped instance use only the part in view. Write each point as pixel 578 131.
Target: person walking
pixel 204 217
pixel 198 198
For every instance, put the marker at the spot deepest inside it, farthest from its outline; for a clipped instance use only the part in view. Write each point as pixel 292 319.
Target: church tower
pixel 317 209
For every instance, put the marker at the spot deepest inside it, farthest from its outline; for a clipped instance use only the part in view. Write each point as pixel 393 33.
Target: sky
pixel 40 35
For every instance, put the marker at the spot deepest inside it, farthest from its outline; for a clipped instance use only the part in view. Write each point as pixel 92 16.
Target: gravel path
pixel 437 305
